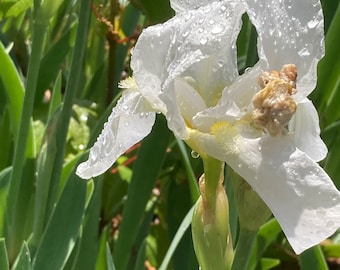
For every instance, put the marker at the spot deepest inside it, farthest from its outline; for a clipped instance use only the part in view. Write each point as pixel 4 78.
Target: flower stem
pixel 14 213
pixel 243 250
pixel 213 175
pixel 210 222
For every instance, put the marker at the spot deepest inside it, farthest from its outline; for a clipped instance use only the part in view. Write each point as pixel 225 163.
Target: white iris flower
pixel 260 123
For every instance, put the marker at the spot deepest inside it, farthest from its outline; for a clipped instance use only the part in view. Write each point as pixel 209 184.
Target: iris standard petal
pixel 290 32
pixel 130 121
pixel 189 101
pixel 306 131
pixel 199 44
pixel 297 190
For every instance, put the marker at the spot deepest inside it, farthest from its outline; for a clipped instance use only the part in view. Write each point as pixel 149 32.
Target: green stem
pixel 16 178
pixel 244 248
pixel 210 222
pixel 70 92
pixel 213 170
pixel 111 38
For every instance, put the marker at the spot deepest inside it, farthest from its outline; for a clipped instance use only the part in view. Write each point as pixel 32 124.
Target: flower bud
pixel 210 230
pixel 252 211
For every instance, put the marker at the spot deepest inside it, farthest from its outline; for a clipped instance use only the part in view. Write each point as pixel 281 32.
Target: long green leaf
pixel 4 179
pixel 45 163
pixel 90 240
pixel 156 13
pixel 15 92
pixel 52 60
pixel 16 210
pixel 63 228
pixel 180 232
pixel 145 173
pixel 313 258
pixel 23 261
pixel 327 93
pixel 194 190
pixel 140 262
pixel 70 93
pixel 267 234
pixel 109 261
pixel 3 255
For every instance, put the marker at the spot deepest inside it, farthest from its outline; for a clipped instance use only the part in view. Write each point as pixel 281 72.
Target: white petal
pixel 306 131
pixel 290 32
pixel 299 193
pixel 130 121
pixel 189 101
pixel 199 44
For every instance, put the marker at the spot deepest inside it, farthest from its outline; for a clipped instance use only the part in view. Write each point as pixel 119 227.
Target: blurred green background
pixel 68 57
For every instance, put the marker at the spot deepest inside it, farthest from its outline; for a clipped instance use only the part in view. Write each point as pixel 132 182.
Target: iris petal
pixel 130 121
pixel 297 190
pixel 290 32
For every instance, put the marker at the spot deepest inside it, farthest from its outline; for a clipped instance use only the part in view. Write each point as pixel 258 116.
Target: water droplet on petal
pixel 194 154
pixel 126 123
pixel 334 197
pixel 217 29
pixel 203 41
pixel 312 24
pixel 220 63
pixel 329 224
pixel 185 33
pixel 187 16
pixel 304 52
pixel 321 213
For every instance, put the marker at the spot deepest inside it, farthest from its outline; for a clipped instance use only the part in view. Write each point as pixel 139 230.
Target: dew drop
pixel 329 224
pixel 304 52
pixel 334 197
pixel 321 213
pixel 299 191
pixel 185 33
pixel 220 63
pixel 83 117
pixel 247 69
pixel 203 41
pixel 312 24
pixel 187 16
pixel 126 124
pixel 217 29
pixel 194 154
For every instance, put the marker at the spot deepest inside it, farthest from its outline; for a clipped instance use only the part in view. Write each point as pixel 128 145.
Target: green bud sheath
pixel 210 228
pixel 252 211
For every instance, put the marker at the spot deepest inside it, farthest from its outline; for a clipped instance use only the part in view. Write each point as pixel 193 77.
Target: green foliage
pixel 60 66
